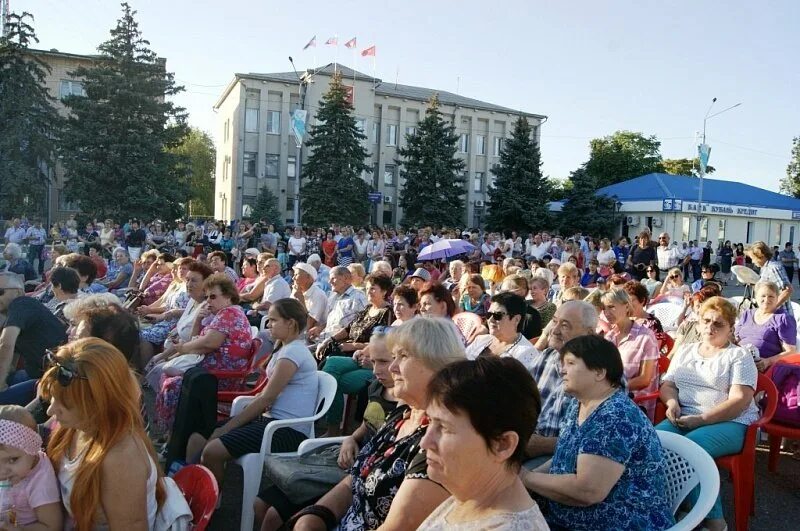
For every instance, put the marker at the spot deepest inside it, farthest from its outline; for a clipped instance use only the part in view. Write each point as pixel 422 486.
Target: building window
pixel 722 226
pixel 274 122
pixel 477 182
pixel 480 144
pixel 778 234
pixel 249 169
pixel 389 174
pixel 751 229
pixel 71 88
pixel 247 205
pixel 387 215
pixel 685 222
pixel 463 143
pixel 411 130
pixel 376 132
pixel 361 123
pixel 226 130
pixel 498 146
pixel 272 166
pixel 391 135
pixel 703 231
pixel 290 204
pixel 291 167
pixel 251 120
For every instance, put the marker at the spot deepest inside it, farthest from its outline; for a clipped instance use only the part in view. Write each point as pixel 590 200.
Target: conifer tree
pixel 433 191
pixel 120 138
pixel 333 190
pixel 29 122
pixel 266 207
pixel 585 211
pixel 518 199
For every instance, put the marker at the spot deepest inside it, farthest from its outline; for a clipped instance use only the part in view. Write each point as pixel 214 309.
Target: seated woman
pixel 351 374
pixel 65 284
pixel 539 287
pixel 708 390
pixel 224 344
pixel 637 345
pixel 531 324
pixel 273 507
pixel 474 299
pixel 388 484
pixel 119 271
pixel 157 279
pixel 651 282
pixel 673 285
pixel 291 392
pixel 249 273
pixel 638 296
pixel 87 272
pixel 475 447
pixel 607 471
pixel 139 278
pixel 768 328
pixel 405 304
pixel 505 338
pixel 105 463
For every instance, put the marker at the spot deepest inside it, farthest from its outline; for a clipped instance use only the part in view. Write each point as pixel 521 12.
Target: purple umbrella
pixel 445 249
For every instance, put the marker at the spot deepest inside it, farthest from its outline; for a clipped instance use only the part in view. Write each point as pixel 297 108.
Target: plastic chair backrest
pixel 666 343
pixel 201 491
pixel 663 364
pixel 326 391
pixel 667 313
pixel 767 406
pixel 467 322
pixel 688 465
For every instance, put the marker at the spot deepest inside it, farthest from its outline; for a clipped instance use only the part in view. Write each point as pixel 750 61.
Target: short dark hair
pixel 440 294
pixel 225 285
pixel 636 289
pixel 382 281
pixel 597 353
pixel 65 278
pixel 196 266
pixel 292 310
pixel 117 326
pixel 219 254
pixel 83 265
pixel 515 402
pixel 513 303
pixel 406 292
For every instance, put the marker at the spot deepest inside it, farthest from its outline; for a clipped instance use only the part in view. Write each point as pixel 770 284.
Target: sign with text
pixel 375 197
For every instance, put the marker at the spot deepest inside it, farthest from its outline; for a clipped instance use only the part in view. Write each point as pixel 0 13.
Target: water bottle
pixel 6 504
pixel 753 350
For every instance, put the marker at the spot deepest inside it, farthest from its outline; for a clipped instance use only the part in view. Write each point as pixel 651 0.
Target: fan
pixel 745 275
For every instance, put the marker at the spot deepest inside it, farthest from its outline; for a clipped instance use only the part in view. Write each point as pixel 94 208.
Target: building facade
pixel 255 147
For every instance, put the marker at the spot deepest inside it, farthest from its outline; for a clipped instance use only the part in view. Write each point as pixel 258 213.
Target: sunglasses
pixel 674 276
pixel 64 374
pixel 496 316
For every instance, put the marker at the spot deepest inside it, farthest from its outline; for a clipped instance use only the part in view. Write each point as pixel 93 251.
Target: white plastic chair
pixel 687 466
pixel 668 313
pixel 253 464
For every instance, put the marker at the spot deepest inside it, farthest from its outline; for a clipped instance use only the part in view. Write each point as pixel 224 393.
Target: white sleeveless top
pixel 68 470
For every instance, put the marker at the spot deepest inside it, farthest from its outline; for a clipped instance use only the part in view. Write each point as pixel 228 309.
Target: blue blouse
pixel 616 430
pixel 344 242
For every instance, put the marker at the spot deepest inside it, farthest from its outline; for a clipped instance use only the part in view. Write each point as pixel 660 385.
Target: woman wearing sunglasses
pixel 105 463
pixel 674 285
pixel 708 390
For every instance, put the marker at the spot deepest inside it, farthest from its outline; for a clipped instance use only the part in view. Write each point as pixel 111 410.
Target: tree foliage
pixel 584 210
pixel 433 191
pixel 266 207
pixel 333 190
pixel 517 201
pixel 29 122
pixel 197 161
pixel 622 156
pixel 120 139
pixel 685 167
pixel 791 183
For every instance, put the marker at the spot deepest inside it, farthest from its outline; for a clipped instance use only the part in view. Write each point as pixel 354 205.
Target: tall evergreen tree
pixel 117 146
pixel 266 207
pixel 518 199
pixel 29 122
pixel 791 183
pixel 433 191
pixel 333 190
pixel 585 211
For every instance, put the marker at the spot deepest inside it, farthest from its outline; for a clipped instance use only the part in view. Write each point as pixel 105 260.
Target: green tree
pixel 433 191
pixel 559 188
pixel 583 209
pixel 197 160
pixel 333 191
pixel 685 167
pixel 791 183
pixel 29 122
pixel 120 138
pixel 622 156
pixel 516 199
pixel 266 207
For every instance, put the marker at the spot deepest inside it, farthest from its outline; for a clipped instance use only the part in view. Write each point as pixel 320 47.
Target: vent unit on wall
pixel 632 221
pixel 480 203
pixel 387 199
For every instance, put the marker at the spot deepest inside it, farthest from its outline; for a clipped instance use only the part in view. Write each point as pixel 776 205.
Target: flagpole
pixel 336 53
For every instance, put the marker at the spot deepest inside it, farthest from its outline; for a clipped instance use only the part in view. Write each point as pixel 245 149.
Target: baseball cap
pixel 423 274
pixel 306 268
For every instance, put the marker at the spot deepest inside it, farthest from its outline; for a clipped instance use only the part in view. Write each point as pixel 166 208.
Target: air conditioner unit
pixel 632 220
pixel 657 222
pixel 387 199
pixel 480 202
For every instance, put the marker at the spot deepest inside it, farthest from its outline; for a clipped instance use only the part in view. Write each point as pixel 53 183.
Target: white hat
pixel 251 251
pixel 306 268
pixel 555 261
pixel 314 258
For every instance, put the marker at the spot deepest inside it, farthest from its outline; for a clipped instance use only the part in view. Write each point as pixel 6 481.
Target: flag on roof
pixel 332 40
pixel 351 43
pixel 369 52
pixel 312 42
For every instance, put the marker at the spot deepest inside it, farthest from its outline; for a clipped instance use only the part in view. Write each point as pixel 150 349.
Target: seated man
pixel 275 288
pixel 343 305
pixel 323 273
pixel 16 264
pixel 309 294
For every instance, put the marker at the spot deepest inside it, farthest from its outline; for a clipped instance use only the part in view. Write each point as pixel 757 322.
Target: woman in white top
pixel 376 247
pixel 103 457
pixel 360 247
pixel 475 447
pixel 708 391
pixel 673 285
pixel 297 247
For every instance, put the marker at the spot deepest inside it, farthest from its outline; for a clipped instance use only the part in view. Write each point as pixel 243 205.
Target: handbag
pixel 308 476
pixel 184 362
pixel 332 348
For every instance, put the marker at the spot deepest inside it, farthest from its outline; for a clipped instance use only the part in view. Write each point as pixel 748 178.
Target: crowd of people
pixel 501 388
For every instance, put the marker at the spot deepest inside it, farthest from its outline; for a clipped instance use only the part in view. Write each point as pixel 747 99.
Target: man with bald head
pixel 667 256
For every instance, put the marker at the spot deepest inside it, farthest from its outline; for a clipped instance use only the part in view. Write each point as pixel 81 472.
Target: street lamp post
pixel 299 154
pixel 703 151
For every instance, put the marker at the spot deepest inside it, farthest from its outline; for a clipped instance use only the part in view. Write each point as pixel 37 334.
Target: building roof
pixel 55 53
pixel 659 186
pixel 383 89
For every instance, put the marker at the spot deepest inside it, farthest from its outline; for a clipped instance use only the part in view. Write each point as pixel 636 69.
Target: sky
pixel 591 67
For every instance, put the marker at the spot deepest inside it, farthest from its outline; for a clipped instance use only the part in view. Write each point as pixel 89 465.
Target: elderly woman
pixel 708 390
pixel 474 298
pixel 475 448
pixel 538 287
pixel 224 344
pixel 405 304
pixel 505 318
pixel 531 325
pixel 119 271
pixel 638 297
pixel 157 279
pixel 96 402
pixel 773 272
pixel 568 276
pixel 12 253
pixel 674 285
pixel 607 471
pixel 358 274
pixel 767 328
pixel 688 331
pixel 388 484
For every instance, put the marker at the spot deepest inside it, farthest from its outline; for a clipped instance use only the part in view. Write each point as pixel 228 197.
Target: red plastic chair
pixel 665 344
pixel 225 398
pixel 776 430
pixel 201 491
pixel 663 365
pixel 742 466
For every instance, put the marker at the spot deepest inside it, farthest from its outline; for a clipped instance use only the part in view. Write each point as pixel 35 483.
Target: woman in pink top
pixel 636 343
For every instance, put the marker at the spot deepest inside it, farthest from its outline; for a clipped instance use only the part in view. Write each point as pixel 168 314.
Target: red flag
pixel 332 40
pixel 369 51
pixel 312 42
pixel 351 43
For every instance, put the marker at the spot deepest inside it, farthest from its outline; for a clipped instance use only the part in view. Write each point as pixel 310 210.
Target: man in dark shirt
pixel 30 329
pixel 135 240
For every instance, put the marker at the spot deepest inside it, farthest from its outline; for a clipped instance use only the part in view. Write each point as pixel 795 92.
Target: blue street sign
pixel 375 197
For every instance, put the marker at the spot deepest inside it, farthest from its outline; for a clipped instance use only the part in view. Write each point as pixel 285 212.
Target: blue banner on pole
pixel 704 151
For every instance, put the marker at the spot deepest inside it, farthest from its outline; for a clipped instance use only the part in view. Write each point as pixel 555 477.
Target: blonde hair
pixel 595 299
pixel 568 268
pixel 616 296
pixel 575 293
pixel 357 269
pixel 766 284
pixel 760 250
pixel 722 306
pixel 432 340
pixel 78 307
pixel 673 271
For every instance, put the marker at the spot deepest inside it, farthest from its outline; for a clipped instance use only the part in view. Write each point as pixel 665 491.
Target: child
pixel 282 258
pixel 34 496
